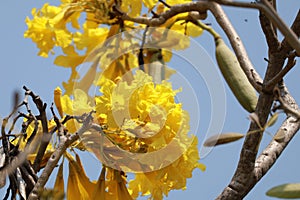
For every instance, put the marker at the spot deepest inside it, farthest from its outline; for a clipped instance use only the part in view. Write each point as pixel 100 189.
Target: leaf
pixel 254 118
pixel 279 137
pixel 287 191
pixel 272 120
pixel 223 139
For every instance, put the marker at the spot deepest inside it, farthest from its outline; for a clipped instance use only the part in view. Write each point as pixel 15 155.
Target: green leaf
pixel 272 120
pixel 287 191
pixel 280 135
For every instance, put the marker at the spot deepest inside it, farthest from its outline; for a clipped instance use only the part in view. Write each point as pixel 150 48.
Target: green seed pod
pixel 235 76
pixel 287 191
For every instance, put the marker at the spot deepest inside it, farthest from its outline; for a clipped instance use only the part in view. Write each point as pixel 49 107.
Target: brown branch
pixel 17 161
pixel 290 36
pixel 290 64
pixel 286 47
pixel 65 142
pixel 244 178
pixel 28 178
pixel 290 127
pixel 269 11
pixel 272 152
pixel 200 6
pixel 41 106
pixel 269 32
pixel 249 173
pixel 284 104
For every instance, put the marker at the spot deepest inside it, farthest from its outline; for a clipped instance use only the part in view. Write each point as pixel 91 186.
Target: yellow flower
pixel 47 29
pixel 132 8
pixel 77 106
pixel 70 59
pixel 160 182
pixel 144 117
pixel 90 38
pixel 79 185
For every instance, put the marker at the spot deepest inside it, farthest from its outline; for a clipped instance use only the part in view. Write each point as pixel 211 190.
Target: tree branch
pixel 242 182
pixel 272 152
pixel 41 106
pixel 244 178
pixel 269 32
pixel 269 11
pixel 290 64
pixel 200 6
pixel 286 47
pixel 65 142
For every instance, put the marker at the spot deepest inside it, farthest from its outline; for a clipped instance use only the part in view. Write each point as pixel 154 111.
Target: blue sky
pixel 21 66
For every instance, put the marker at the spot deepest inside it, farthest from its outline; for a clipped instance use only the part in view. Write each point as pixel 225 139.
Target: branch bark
pixel 272 152
pixel 265 7
pixel 41 106
pixel 200 6
pixel 250 170
pixel 65 142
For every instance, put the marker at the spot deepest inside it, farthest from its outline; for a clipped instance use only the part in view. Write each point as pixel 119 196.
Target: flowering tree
pixel 120 105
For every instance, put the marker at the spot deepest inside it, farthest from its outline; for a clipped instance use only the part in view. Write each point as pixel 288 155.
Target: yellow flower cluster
pixel 149 120
pixel 144 129
pixel 50 28
pixel 140 118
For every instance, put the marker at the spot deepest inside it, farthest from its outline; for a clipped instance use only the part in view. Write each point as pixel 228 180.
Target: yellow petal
pixel 99 192
pixel 57 101
pixel 123 193
pixel 73 192
pixel 59 186
pixel 78 180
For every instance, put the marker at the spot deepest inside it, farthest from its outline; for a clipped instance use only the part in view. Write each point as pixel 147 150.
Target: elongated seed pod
pixel 223 138
pixel 286 191
pixel 235 76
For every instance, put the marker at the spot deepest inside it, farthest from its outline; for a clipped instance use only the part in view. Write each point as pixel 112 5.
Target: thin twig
pixel 269 11
pixel 269 31
pixel 196 22
pixel 286 47
pixel 285 106
pixel 163 2
pixel 41 106
pixel 65 142
pixel 290 64
pixel 141 54
pixel 200 6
